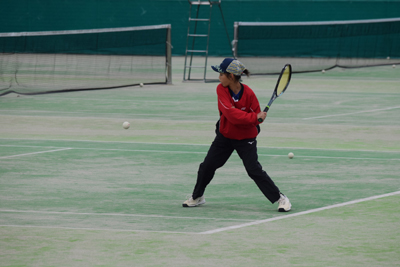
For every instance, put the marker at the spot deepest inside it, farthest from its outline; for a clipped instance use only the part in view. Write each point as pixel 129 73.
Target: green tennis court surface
pixel 79 190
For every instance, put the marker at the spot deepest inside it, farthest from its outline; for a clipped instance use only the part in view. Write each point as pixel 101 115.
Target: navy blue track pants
pixel 218 154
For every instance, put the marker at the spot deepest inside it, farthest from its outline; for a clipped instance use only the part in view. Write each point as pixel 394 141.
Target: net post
pixel 168 56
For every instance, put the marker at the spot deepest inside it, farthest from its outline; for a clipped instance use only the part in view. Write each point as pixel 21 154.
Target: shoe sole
pixel 283 210
pixel 187 206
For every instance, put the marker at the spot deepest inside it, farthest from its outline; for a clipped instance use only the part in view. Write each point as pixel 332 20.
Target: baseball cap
pixel 230 65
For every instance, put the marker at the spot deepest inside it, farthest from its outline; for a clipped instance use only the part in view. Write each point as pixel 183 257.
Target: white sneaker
pixel 194 202
pixel 284 203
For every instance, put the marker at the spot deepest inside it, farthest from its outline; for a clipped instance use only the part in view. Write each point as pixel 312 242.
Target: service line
pixel 298 213
pixel 345 114
pixel 34 153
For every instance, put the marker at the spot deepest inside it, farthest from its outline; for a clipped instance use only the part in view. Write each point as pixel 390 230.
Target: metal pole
pixel 226 29
pixel 235 39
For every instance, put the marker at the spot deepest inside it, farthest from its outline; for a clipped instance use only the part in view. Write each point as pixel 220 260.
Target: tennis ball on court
pixel 323 71
pixel 126 125
pixel 290 155
pixel 141 84
pixel 394 66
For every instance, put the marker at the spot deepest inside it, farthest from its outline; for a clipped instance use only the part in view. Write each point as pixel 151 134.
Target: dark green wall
pixel 46 15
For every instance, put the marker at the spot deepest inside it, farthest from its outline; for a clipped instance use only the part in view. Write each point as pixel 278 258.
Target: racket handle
pixel 265 110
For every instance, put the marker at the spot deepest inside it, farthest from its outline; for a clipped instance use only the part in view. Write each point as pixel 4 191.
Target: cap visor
pixel 215 68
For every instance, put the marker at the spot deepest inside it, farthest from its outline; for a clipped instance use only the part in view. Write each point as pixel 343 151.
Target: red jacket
pixel 239 122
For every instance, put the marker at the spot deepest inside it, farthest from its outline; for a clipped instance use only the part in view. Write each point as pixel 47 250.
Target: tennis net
pixel 61 61
pixel 316 46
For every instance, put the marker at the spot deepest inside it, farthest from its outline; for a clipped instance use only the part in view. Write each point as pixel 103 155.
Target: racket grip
pixel 265 110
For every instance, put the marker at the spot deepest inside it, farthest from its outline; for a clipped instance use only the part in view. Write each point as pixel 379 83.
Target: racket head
pixel 283 80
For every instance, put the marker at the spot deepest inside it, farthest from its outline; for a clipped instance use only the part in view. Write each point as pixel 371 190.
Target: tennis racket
pixel 281 86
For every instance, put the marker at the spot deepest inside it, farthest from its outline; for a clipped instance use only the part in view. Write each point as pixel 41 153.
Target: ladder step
pixel 191 19
pixel 200 3
pixel 198 51
pixel 198 35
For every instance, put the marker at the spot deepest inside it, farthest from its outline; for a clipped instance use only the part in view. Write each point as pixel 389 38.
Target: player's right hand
pixel 262 115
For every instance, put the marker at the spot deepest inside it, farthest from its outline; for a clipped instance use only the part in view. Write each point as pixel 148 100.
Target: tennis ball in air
pixel 290 155
pixel 323 71
pixel 126 125
pixel 141 84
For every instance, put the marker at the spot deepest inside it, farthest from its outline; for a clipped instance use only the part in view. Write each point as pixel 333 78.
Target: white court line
pixel 142 150
pixel 93 229
pixel 181 144
pixel 206 118
pixel 200 152
pixel 324 157
pixel 298 214
pixel 344 114
pixel 34 153
pixel 120 100
pixel 219 229
pixel 121 215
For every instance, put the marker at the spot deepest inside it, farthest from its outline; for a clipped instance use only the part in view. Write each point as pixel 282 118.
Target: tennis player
pixel 236 129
